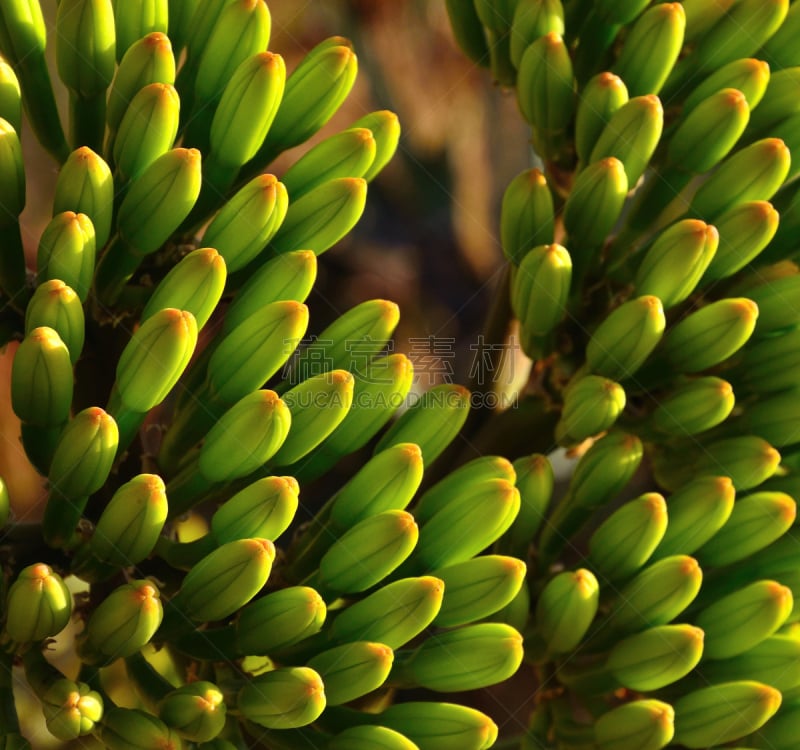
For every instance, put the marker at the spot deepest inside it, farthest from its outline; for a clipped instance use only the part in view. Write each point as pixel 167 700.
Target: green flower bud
pixel 620 11
pixel 535 482
pixel 38 606
pixel 591 406
pixel 55 305
pixel 85 45
pixel 595 202
pixel 67 251
pixel 774 418
pixel 694 407
pixel 638 725
pixel 245 437
pixel 368 552
pixel 770 365
pixel 477 588
pixel 147 60
pixel 155 358
pixel 780 732
pixel 468 658
pixel 279 620
pixel 627 538
pixel 657 657
pixel 131 523
pixel 779 102
pixel 204 18
pixel 322 216
pixel 196 711
pixel 747 75
pixel 657 595
pixel 632 135
pixel 756 521
pixel 773 662
pixel 181 16
pixel 392 615
pixel 741 620
pixel 440 726
pixel 283 698
pixel 468 31
pixel 779 50
pixel 352 670
pixel 25 27
pixel 85 186
pixel 134 19
pixel 711 334
pixel 599 99
pixel 533 19
pixel 765 163
pixel 526 215
pixel 123 623
pixel 71 709
pixel 469 523
pixel 132 729
pixel 370 738
pixel 545 84
pixel 248 105
pixel 696 512
pixel 725 712
pixel 777 303
pixel 651 48
pixel 147 130
pixel 702 15
pixel 747 460
pixel 385 128
pixel 225 580
pixel 566 608
pixel 41 379
pixel 10 96
pixel 347 154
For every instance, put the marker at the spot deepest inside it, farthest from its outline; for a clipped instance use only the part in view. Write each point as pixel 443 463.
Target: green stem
pixel 87 114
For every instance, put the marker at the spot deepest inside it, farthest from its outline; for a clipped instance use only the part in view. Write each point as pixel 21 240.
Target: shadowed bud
pixel 352 670
pixel 85 45
pixel 134 19
pixel 526 215
pixel 638 725
pixel 38 606
pixel 440 726
pixel 283 698
pixel 132 729
pixel 196 711
pixel 566 608
pixel 67 252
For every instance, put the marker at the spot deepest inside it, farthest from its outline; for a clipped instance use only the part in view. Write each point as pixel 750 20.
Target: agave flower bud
pixel 595 202
pixel 130 524
pixel 638 725
pixel 196 711
pixel 533 19
pixel 776 300
pixel 641 523
pixel 10 96
pixel 477 588
pixel 605 469
pixel 284 698
pixel 225 580
pixel 747 460
pixel 385 128
pixel 780 732
pixel 38 606
pixel 135 19
pixel 624 340
pixel 370 738
pixel 85 186
pixel 724 712
pixel 526 215
pixel 279 620
pixel 248 106
pixel 155 358
pixel 368 552
pixel 468 658
pixel 774 418
pixel 147 60
pixel 288 277
pixel 314 91
pixel 545 84
pixel 263 509
pixel 202 22
pixel 756 521
pixel 770 365
pixel 468 31
pixel 132 729
pixel 599 99
pixel 711 334
pixel 765 164
pixel 256 349
pixel 748 75
pixel 387 481
pixel 657 595
pixel 644 117
pixel 540 288
pixel 656 657
pixel 123 623
pixel 346 154
pixel 591 406
pixel 779 51
pixel 85 44
pixel 245 437
pixel 778 103
pixel 352 670
pixel 566 608
pixel 440 726
pixel 708 133
pixel 41 379
pixel 67 251
pixel 392 615
pixel 741 620
pixel 676 261
pixel 651 48
pixel 181 16
pixel 71 709
pixel 322 216
pixel 147 130
pixel 773 662
pixel 535 481
pixel 694 407
pixel 241 30
pixel 55 305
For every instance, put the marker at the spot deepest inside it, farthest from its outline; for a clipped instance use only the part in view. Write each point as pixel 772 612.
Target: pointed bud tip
pixel 432 585
pixel 40 571
pixel 778 592
pixel 260 548
pixel 405 522
pixel 734 99
pixel 553 39
pixel 158 40
pixel 787 508
pixel 745 309
pixel 536 178
pixel 689 566
pixel 342 379
pixel 656 504
pixel 585 581
pixel 665 715
pixel 610 81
